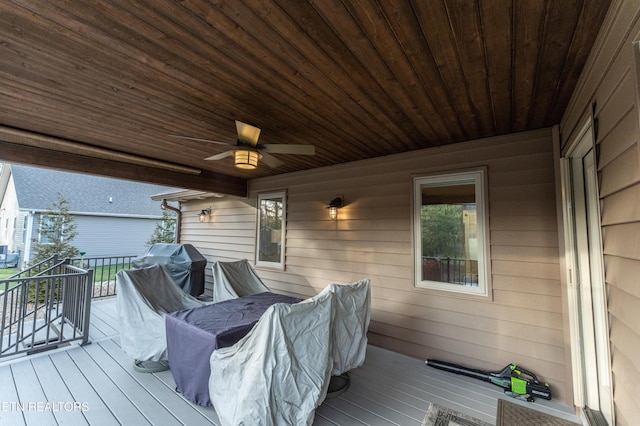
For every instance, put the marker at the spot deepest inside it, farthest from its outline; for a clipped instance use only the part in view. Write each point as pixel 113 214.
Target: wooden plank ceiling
pixel 356 78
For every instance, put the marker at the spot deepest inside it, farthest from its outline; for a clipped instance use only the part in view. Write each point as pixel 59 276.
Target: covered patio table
pixel 193 334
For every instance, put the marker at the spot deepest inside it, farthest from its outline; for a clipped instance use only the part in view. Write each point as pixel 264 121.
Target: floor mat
pixel 443 416
pixel 510 414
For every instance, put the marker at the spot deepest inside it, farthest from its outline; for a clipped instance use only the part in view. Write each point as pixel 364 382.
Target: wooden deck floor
pixel 96 384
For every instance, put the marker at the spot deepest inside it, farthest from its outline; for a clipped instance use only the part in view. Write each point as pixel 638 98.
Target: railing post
pixel 87 307
pixel 448 269
pixel 5 296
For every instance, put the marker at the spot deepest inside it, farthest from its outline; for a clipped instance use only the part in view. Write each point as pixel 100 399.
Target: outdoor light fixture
pixel 246 159
pixel 333 207
pixel 165 206
pixel 204 214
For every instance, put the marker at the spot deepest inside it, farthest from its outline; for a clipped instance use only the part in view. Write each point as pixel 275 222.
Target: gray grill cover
pixel 183 263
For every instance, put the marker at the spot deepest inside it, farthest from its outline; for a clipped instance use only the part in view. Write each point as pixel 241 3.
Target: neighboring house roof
pixel 37 189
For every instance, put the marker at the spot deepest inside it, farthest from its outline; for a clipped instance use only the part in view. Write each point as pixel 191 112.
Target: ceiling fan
pixel 248 151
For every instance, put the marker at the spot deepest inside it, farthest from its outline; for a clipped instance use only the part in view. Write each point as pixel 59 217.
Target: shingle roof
pixel 38 189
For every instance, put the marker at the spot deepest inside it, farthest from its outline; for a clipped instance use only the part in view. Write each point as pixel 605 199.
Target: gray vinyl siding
pixel 610 80
pixel 112 236
pixel 373 238
pixel 113 217
pixel 100 236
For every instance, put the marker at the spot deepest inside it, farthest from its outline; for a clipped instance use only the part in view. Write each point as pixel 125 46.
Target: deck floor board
pixel 112 395
pixel 30 391
pixel 104 320
pixel 387 400
pixel 383 409
pixel 83 391
pixel 388 389
pixel 159 389
pixel 9 415
pixel 137 394
pixel 56 391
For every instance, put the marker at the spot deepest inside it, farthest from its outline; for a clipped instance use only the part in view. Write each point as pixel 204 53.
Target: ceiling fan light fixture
pixel 246 159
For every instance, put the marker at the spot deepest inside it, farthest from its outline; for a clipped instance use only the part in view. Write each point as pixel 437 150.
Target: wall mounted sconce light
pixel 204 214
pixel 333 207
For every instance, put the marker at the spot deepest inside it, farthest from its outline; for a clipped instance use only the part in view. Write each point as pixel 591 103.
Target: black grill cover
pixel 183 262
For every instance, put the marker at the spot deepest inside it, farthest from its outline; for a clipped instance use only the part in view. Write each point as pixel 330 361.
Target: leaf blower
pixel 516 381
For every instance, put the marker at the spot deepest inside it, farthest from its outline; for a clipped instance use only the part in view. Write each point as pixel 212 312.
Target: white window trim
pixel 261 263
pixel 479 177
pixel 41 221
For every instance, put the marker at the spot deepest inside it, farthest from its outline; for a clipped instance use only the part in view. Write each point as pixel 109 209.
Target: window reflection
pixel 449 232
pixel 271 211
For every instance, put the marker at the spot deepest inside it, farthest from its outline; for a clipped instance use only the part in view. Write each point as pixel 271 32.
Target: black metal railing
pixel 44 307
pixel 104 272
pixel 450 270
pixel 38 269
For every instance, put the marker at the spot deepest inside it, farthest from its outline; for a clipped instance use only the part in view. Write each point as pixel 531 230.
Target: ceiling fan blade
pixel 247 133
pixel 198 139
pixel 221 155
pixel 270 160
pixel 289 149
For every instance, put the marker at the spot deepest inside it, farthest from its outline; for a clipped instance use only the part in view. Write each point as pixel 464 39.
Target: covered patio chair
pixel 285 367
pixel 144 297
pixel 352 307
pixel 235 279
pixel 278 373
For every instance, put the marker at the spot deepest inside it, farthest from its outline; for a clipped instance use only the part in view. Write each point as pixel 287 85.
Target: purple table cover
pixel 193 334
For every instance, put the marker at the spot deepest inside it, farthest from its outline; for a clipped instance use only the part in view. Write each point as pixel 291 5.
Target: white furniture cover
pixel 279 373
pixel 235 279
pixel 144 296
pixel 352 307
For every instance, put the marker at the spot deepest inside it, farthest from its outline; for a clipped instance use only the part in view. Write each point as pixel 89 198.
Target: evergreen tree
pixel 57 231
pixel 442 231
pixel 165 231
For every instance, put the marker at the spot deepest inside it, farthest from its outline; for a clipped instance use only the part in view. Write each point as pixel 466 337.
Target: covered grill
pixel 182 262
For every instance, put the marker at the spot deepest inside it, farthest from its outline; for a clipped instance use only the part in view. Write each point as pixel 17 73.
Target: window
pixel 271 229
pixel 450 232
pixel 48 233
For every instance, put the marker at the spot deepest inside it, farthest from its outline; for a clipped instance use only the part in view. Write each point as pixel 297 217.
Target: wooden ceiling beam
pixel 23 147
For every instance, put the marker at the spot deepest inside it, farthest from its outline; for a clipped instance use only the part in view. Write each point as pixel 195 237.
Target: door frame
pixel 587 309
